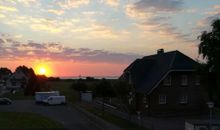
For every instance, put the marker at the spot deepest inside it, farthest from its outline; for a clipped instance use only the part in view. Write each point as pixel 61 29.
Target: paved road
pixel 68 116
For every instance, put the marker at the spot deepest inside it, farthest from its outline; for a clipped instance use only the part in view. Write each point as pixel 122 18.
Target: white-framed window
pixel 184 80
pixel 183 99
pixel 167 81
pixel 197 80
pixel 162 99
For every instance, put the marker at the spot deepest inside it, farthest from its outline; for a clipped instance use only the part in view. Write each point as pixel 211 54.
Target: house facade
pixel 166 83
pixel 3 78
pixel 17 80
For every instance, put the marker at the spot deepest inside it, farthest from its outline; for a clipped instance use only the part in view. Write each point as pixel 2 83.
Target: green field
pixel 27 121
pixel 64 87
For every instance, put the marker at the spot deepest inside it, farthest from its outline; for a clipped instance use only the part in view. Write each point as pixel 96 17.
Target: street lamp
pixel 139 118
pixel 211 106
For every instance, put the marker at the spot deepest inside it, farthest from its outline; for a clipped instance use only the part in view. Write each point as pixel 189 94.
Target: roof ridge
pixel 173 58
pixel 157 54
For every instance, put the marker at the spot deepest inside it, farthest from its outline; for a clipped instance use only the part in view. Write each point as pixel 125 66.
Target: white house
pixel 3 78
pixel 17 80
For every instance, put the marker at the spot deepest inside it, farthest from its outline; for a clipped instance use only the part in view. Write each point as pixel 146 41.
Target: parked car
pixel 5 101
pixel 55 100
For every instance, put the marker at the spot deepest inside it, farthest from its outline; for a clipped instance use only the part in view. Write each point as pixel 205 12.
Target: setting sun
pixel 42 71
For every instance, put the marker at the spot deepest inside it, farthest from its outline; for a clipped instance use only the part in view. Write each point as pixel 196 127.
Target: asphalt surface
pixel 66 115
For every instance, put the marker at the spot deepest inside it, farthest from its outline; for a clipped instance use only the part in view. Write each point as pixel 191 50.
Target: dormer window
pixel 197 80
pixel 184 80
pixel 167 81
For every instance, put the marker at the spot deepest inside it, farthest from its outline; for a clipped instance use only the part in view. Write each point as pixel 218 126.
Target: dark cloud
pixel 166 29
pixel 155 16
pixel 57 52
pixel 159 5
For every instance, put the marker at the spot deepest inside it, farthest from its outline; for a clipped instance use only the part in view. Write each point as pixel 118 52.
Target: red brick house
pixel 166 83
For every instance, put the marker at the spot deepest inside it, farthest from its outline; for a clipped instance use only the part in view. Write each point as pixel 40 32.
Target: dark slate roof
pixel 148 71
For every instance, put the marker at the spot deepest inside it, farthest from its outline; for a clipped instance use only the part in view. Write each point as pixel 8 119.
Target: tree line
pixel 107 90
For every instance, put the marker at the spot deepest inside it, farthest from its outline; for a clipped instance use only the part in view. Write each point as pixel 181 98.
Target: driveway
pixel 66 115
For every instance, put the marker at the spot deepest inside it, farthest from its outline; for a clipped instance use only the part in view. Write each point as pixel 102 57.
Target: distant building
pixel 17 80
pixel 3 79
pixel 166 83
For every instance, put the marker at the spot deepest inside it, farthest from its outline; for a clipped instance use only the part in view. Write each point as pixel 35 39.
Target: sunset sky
pixel 98 37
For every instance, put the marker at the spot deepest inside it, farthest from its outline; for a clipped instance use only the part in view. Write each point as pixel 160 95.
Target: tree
pixel 24 69
pixel 42 84
pixel 124 92
pixel 80 85
pixel 32 84
pixel 209 48
pixel 5 72
pixel 104 90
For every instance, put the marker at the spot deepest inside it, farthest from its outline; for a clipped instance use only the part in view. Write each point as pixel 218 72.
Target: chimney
pixel 160 51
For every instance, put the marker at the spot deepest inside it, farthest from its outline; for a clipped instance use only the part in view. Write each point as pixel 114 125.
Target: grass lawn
pixel 19 95
pixel 65 89
pixel 27 121
pixel 122 123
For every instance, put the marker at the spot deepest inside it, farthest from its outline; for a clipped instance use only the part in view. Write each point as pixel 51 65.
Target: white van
pixel 55 100
pixel 41 96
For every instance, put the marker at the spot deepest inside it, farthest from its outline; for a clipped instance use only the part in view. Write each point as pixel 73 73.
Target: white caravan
pixel 55 100
pixel 41 96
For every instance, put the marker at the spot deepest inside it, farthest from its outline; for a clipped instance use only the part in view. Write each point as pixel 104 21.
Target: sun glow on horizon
pixel 42 69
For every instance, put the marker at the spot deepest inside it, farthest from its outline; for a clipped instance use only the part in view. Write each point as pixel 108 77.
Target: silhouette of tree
pixel 32 84
pixel 124 92
pixel 42 84
pixel 53 78
pixel 90 79
pixel 209 48
pixel 104 90
pixel 23 69
pixel 5 72
pixel 80 85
